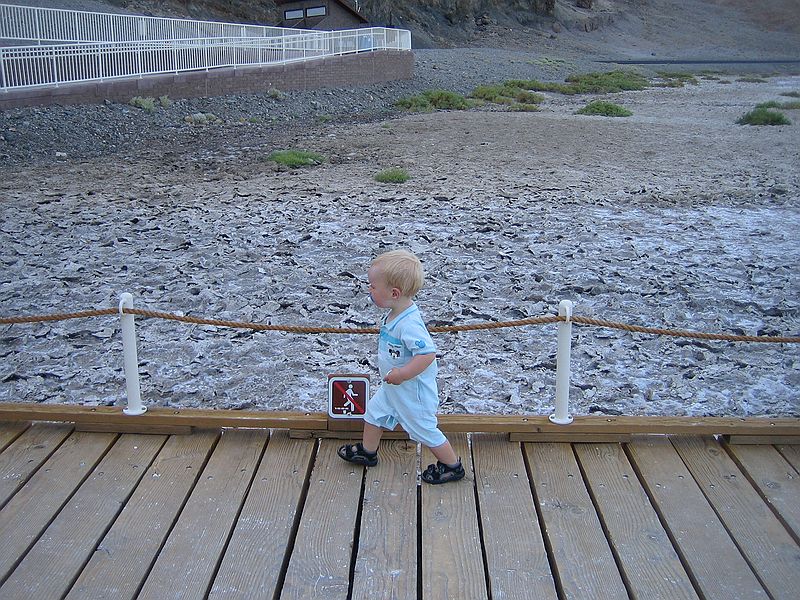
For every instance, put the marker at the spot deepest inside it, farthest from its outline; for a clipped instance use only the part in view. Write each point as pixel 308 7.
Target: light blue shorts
pixel 412 404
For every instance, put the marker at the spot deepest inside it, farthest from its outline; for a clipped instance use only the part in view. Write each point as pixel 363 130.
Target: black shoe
pixel 355 453
pixel 441 473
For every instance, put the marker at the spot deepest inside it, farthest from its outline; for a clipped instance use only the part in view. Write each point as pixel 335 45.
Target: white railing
pixel 32 66
pixel 51 25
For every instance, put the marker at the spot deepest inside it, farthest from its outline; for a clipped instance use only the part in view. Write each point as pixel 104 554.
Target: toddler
pixel 407 365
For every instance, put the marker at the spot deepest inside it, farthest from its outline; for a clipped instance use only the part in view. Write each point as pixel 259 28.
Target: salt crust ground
pixel 674 217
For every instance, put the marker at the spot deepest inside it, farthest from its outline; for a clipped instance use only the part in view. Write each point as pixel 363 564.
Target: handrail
pixel 34 66
pixel 61 25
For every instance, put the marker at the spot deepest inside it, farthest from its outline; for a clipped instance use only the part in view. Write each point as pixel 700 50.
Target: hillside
pixel 629 28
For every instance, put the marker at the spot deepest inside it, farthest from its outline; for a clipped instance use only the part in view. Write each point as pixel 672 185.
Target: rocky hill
pixel 717 28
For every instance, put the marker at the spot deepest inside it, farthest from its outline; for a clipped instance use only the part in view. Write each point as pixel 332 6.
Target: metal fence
pixel 51 25
pixel 31 66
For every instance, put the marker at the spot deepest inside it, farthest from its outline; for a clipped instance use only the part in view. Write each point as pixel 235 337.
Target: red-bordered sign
pixel 347 396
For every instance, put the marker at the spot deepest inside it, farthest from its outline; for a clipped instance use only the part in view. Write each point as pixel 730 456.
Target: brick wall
pixel 351 70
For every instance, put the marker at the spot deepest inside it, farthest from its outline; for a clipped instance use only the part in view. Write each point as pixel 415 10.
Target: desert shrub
pixel 791 94
pixel 393 175
pixel 770 104
pixel 275 94
pixel 296 158
pixel 146 104
pixel 752 80
pixel 676 79
pixel 790 105
pixel 524 107
pixel 589 83
pixel 435 100
pixel 763 116
pixel 165 101
pixel 506 93
pixel 202 119
pixel 605 109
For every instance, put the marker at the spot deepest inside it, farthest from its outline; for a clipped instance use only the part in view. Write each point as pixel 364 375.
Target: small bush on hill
pixel 791 94
pixel 296 158
pixel 605 109
pixel 763 116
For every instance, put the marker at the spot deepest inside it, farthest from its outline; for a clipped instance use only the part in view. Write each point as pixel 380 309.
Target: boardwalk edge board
pixel 524 428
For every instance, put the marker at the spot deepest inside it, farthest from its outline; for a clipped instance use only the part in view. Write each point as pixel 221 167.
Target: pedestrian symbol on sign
pixel 347 396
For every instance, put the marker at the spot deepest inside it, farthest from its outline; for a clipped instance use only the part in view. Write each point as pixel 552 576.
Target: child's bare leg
pixel 372 437
pixel 444 453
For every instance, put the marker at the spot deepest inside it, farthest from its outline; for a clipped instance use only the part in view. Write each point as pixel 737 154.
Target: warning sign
pixel 347 396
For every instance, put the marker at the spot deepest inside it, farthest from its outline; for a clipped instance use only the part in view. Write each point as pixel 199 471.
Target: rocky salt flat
pixel 674 217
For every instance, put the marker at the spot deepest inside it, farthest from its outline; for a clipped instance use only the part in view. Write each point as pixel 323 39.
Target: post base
pixel 559 421
pixel 133 412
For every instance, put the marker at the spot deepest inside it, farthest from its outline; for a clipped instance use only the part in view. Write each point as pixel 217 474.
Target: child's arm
pixel 414 367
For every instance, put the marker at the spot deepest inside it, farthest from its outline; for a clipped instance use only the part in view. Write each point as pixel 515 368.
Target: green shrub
pixel 393 175
pixel 435 100
pixel 524 107
pixel 605 109
pixel 200 118
pixel 791 105
pixel 770 104
pixel 275 94
pixel 296 158
pixel 763 116
pixel 676 79
pixel 146 104
pixel 506 93
pixel 164 101
pixel 589 83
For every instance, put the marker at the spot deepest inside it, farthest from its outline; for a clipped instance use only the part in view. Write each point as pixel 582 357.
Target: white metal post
pixel 131 359
pixel 562 416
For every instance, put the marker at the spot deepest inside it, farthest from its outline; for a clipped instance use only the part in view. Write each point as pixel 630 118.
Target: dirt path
pixel 675 217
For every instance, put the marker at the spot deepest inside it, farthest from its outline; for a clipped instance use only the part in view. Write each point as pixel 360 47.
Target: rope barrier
pixel 373 330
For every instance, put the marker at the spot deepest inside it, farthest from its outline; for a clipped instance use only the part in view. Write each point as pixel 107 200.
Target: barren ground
pixel 674 217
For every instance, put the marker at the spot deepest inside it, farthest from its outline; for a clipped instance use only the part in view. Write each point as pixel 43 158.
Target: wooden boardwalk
pixel 249 513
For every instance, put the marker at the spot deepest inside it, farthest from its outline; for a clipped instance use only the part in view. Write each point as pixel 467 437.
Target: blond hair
pixel 402 270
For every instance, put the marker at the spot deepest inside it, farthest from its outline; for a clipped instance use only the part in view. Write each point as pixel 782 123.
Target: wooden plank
pixel 186 565
pixel 449 423
pixel 570 437
pixel 387 546
pixel 762 439
pixel 155 416
pixel 32 508
pixel 320 563
pixel 254 561
pixel 775 479
pixel 21 459
pixel 791 454
pixel 516 557
pixel 354 436
pixel 572 527
pixel 452 561
pixel 718 570
pixel 49 569
pixel 136 428
pixel 122 560
pixel 648 561
pixel 761 537
pixel 11 431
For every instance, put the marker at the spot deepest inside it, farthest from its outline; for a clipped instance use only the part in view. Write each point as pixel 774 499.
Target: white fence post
pixel 562 416
pixel 131 359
